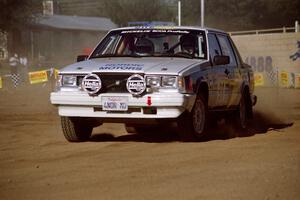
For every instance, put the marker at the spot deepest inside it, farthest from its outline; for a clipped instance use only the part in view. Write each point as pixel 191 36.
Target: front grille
pixel 111 83
pixel 114 83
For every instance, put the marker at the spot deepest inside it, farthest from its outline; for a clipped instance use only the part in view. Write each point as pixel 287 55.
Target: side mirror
pixel 221 60
pixel 82 58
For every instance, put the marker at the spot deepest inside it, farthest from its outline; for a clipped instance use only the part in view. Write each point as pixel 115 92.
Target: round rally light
pixel 136 84
pixel 91 83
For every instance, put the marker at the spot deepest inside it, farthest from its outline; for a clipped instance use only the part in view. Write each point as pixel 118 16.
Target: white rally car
pixel 146 75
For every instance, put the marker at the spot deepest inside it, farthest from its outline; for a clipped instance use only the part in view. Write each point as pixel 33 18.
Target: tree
pixel 14 14
pixel 279 13
pixel 232 15
pixel 124 11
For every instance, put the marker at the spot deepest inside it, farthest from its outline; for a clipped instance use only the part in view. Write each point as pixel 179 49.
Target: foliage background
pixel 229 15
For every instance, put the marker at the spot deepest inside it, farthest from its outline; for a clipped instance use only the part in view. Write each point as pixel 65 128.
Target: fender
pixel 249 101
pixel 194 86
pixel 243 87
pixel 202 86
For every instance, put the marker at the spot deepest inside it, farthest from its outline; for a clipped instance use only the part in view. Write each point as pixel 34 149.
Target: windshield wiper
pixel 113 55
pixel 179 54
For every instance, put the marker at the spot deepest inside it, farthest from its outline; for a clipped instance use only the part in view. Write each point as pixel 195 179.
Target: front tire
pixel 194 125
pixel 76 130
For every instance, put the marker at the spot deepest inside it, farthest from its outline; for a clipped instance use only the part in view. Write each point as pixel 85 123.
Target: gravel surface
pixel 36 162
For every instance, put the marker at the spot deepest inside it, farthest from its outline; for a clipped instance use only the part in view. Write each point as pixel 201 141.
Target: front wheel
pixel 194 125
pixel 75 130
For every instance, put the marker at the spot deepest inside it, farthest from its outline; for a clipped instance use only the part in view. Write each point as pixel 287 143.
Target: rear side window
pixel 214 48
pixel 226 49
pixel 237 54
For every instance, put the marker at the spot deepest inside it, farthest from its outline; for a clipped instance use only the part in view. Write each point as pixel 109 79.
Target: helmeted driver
pixel 187 43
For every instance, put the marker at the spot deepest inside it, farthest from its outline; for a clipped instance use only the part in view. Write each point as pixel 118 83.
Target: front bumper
pixel 165 105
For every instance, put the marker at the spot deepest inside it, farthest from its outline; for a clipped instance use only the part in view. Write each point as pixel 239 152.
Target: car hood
pixel 147 65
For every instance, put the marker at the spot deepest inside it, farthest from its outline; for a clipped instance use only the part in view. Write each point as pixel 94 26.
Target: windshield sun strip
pixel 200 38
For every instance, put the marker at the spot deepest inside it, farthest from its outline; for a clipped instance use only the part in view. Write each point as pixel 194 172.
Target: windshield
pixel 153 43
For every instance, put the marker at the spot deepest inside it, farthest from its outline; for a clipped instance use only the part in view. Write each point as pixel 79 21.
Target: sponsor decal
pixel 258 79
pixel 284 79
pixel 38 77
pixel 56 72
pixel 170 31
pixel 133 67
pixel 91 83
pixel 298 81
pixel 156 31
pixel 136 84
pixel 136 31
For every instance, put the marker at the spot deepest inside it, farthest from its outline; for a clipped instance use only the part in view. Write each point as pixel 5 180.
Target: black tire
pixel 194 125
pixel 242 115
pixel 76 130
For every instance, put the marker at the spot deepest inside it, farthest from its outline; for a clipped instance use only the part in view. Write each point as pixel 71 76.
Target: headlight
pixel 69 81
pixel 153 81
pixel 161 81
pixel 169 81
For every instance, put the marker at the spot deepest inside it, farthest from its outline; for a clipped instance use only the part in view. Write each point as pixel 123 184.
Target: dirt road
pixel 36 162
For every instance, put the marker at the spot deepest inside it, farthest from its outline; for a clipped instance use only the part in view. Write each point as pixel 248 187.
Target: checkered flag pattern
pixel 272 77
pixel 16 78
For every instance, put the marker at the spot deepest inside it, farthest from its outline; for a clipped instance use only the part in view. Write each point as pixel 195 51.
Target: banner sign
pixel 258 79
pixel 284 79
pixel 55 73
pixel 38 77
pixel 297 81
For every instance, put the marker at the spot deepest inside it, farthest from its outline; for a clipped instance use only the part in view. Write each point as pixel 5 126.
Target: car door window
pixel 214 48
pixel 237 55
pixel 226 49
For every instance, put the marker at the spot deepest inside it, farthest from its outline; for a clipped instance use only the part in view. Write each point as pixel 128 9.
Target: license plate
pixel 115 103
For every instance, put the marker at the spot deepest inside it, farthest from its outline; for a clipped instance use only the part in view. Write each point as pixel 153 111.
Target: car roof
pixel 170 28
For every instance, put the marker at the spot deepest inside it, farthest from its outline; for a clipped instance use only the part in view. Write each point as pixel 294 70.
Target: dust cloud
pixel 277 105
pixel 276 109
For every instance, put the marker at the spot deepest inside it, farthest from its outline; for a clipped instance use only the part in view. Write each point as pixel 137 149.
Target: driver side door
pixel 217 77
